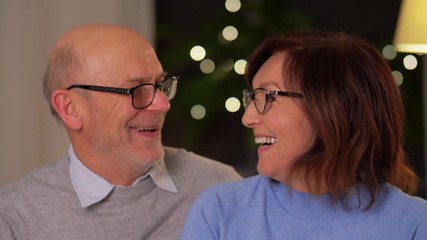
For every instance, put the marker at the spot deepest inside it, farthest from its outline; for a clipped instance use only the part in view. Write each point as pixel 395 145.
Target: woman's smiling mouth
pixel 265 141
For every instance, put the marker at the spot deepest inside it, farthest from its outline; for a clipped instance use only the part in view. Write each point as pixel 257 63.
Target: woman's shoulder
pixel 405 205
pixel 409 212
pixel 248 186
pixel 240 191
pixel 226 201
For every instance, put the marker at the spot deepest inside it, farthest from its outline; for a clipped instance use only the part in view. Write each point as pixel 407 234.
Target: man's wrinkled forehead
pixel 103 35
pixel 149 54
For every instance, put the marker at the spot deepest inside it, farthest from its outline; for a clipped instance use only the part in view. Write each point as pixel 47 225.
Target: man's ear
pixel 65 104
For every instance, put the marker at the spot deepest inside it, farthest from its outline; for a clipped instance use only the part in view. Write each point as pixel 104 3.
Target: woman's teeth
pixel 265 141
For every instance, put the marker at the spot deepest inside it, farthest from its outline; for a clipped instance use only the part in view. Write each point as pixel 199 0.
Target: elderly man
pixel 109 90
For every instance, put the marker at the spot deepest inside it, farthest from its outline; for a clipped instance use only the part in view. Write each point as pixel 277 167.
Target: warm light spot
pixel 232 5
pixel 197 53
pixel 412 47
pixel 221 38
pixel 198 112
pixel 410 62
pixel 389 52
pixel 240 66
pixel 227 65
pixel 398 77
pixel 230 33
pixel 207 66
pixel 232 104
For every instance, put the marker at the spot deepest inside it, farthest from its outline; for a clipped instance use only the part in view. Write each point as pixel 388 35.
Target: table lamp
pixel 411 36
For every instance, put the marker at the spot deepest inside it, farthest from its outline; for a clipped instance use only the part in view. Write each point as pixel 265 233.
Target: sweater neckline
pixel 134 191
pixel 321 210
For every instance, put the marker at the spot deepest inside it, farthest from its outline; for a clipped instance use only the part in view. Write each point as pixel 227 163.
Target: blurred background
pixel 206 43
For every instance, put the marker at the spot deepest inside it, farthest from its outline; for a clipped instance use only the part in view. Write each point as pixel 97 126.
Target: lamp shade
pixel 411 29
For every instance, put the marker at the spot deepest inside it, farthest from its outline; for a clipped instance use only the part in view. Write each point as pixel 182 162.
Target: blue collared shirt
pixel 92 188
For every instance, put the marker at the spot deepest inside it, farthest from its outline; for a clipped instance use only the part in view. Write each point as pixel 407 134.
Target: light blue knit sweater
pixel 260 208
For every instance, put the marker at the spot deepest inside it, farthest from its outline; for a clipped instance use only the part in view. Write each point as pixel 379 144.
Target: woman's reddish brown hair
pixel 354 106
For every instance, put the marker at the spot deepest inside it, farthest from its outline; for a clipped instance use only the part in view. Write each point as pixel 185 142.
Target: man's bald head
pixel 89 37
pixel 79 55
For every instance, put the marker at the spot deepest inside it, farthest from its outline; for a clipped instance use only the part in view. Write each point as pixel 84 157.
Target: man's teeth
pixel 146 129
pixel 265 140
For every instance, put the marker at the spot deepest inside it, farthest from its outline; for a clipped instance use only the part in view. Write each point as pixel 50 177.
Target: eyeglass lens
pixel 168 87
pixel 144 95
pixel 259 97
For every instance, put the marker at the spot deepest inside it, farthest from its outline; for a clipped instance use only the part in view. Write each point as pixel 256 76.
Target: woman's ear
pixel 65 104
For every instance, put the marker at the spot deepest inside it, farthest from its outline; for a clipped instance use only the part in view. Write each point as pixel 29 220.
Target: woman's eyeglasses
pixel 262 98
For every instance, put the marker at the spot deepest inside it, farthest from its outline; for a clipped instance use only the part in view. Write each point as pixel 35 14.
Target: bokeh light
pixel 398 77
pixel 221 39
pixel 198 112
pixel 207 66
pixel 389 52
pixel 227 65
pixel 410 62
pixel 230 33
pixel 197 53
pixel 233 5
pixel 232 104
pixel 240 66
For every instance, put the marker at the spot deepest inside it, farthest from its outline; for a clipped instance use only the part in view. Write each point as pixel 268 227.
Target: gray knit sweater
pixel 43 205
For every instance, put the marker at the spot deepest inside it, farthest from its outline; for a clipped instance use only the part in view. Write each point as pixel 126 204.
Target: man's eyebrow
pixel 158 79
pixel 161 77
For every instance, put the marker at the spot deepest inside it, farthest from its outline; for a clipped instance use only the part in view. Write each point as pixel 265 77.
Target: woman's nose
pixel 251 117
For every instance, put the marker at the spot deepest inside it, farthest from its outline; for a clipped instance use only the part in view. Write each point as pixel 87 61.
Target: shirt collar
pixel 160 175
pixel 92 188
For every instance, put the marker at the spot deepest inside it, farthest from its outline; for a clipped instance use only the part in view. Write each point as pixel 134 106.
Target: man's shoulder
pixel 44 176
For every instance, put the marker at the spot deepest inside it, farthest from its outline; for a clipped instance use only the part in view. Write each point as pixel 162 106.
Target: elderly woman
pixel 328 117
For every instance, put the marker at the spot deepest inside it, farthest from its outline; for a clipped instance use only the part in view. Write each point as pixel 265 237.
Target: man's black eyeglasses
pixel 263 98
pixel 142 95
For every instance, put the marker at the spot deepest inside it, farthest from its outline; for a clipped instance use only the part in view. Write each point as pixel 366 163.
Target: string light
pixel 232 104
pixel 197 53
pixel 398 77
pixel 410 62
pixel 230 33
pixel 198 112
pixel 232 5
pixel 240 66
pixel 389 52
pixel 227 65
pixel 207 66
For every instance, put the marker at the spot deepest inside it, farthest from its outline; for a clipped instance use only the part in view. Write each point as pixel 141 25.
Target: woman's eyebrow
pixel 267 84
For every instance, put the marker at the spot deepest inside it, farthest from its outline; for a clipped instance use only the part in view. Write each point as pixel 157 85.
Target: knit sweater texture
pixel 261 208
pixel 43 205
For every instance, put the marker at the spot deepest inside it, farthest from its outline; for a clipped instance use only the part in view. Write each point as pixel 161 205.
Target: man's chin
pixel 152 155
